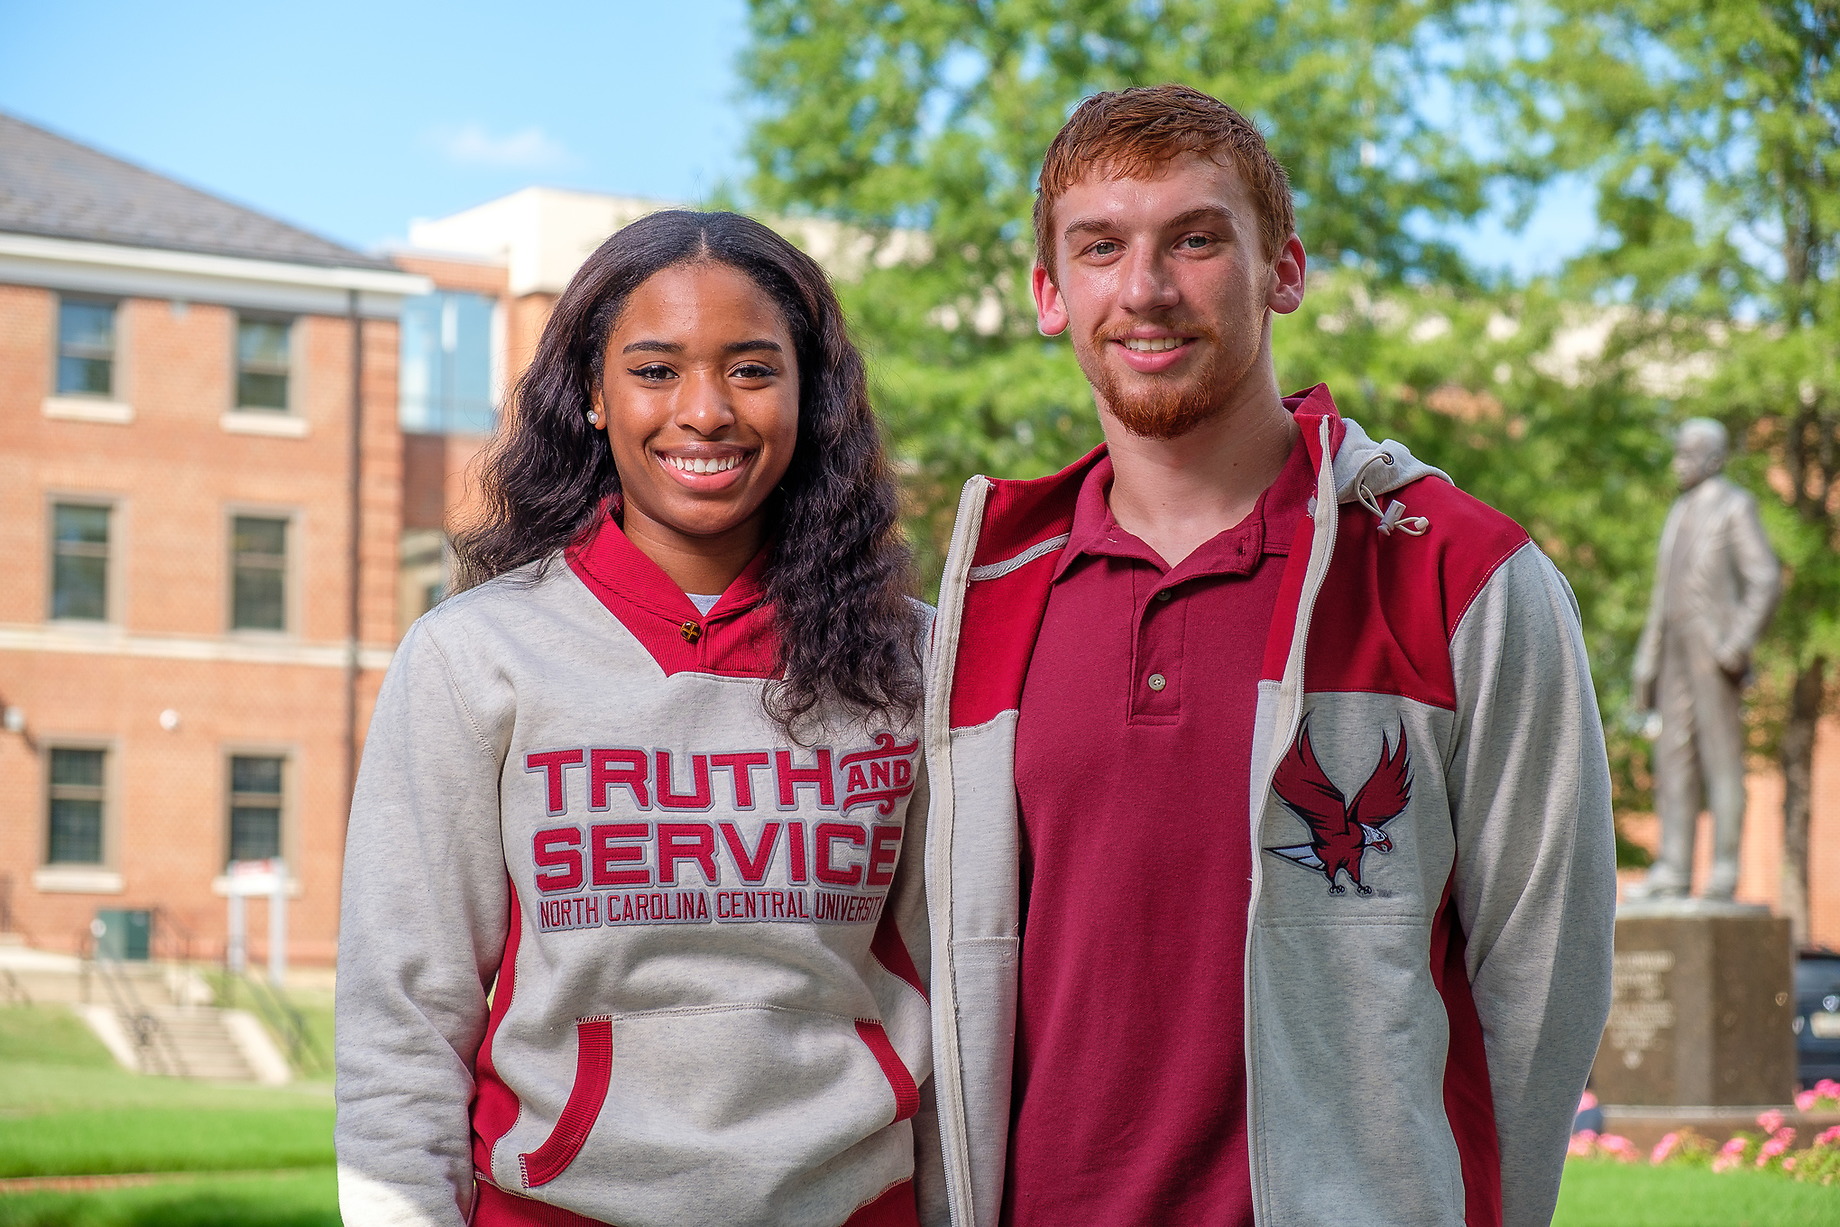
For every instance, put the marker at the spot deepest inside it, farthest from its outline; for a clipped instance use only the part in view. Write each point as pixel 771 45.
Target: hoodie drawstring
pixel 1393 515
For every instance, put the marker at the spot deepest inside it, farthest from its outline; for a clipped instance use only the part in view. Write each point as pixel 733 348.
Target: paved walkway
pixel 134 1180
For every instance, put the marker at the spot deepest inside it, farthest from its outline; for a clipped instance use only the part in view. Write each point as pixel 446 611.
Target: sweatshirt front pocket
pixel 751 1113
pixel 593 1063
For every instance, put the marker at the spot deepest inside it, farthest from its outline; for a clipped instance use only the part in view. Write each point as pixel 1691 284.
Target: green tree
pixel 1712 135
pixel 932 115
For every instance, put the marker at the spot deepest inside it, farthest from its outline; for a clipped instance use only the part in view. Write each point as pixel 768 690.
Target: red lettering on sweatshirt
pixel 884 851
pixel 881 775
pixel 699 796
pixel 820 775
pixel 828 871
pixel 610 765
pixel 752 867
pixel 686 841
pixel 551 763
pixel 558 856
pixel 610 845
pixel 741 773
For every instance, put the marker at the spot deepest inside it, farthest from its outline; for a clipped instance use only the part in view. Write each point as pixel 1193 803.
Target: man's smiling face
pixel 1166 292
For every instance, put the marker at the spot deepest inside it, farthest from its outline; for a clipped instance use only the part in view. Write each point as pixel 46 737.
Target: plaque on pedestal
pixel 1701 1008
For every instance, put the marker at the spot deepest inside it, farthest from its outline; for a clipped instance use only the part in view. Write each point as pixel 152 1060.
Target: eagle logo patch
pixel 1341 831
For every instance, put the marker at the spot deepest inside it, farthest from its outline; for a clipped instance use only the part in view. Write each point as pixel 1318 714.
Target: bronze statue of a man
pixel 1716 584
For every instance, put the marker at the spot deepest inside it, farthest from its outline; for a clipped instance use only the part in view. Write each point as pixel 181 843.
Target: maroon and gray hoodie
pixel 613 942
pixel 1428 948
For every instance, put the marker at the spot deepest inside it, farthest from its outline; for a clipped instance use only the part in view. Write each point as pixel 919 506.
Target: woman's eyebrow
pixel 672 347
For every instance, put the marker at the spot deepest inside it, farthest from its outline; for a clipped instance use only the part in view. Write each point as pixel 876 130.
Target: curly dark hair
pixel 839 572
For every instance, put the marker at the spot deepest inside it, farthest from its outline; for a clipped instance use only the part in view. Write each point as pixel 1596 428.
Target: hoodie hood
pixel 1380 468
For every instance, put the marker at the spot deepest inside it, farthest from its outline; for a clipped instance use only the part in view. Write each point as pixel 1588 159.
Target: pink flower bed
pixel 1768 1150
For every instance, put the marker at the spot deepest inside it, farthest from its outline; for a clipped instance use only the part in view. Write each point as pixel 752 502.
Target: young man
pixel 1271 865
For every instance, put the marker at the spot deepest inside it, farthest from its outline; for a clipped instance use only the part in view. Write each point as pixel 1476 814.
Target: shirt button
pixel 1158 681
pixel 1163 595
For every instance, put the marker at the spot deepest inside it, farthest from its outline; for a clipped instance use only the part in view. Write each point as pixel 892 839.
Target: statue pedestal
pixel 1701 1011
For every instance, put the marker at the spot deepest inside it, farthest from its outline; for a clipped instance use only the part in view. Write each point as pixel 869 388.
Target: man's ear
pixel 1287 278
pixel 1050 311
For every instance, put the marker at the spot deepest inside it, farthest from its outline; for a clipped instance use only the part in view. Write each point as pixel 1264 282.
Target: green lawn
pixel 66 1108
pixel 306 1199
pixel 1605 1194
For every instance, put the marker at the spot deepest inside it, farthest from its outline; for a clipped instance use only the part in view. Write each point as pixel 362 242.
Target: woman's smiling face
pixel 699 396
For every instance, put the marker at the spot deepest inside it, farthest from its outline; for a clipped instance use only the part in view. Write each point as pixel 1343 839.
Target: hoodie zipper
pixel 1284 731
pixel 949 1091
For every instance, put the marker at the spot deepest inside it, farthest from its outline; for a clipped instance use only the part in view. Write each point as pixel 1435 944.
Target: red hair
pixel 1134 133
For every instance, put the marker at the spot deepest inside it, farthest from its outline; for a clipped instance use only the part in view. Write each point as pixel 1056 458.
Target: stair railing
pixel 155 1049
pixel 283 1018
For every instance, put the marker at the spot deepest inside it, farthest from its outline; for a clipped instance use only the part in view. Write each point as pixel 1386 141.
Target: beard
pixel 1161 406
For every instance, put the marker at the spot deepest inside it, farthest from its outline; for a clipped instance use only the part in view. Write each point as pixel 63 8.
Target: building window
pixel 74 822
pixel 86 348
pixel 258 573
pixel 262 360
pixel 255 806
pixel 445 376
pixel 80 561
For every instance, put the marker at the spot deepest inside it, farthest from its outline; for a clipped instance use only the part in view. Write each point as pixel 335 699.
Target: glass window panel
pixel 86 348
pixel 76 832
pixel 78 768
pixel 259 601
pixel 255 832
pixel 262 361
pixel 74 817
pixel 85 376
pixel 255 775
pixel 79 562
pixel 262 343
pixel 445 370
pixel 255 806
pixel 255 390
pixel 419 363
pixel 79 522
pixel 88 325
pixel 258 565
pixel 80 589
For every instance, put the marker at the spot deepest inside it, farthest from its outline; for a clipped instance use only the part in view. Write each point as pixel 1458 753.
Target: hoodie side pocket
pixel 593 1067
pixel 900 1078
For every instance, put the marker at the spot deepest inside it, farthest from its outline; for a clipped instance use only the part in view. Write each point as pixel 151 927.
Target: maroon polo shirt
pixel 1133 756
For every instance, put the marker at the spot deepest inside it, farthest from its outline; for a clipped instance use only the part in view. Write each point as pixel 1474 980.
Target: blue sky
pixel 352 118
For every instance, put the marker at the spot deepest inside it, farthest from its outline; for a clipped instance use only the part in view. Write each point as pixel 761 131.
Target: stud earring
pixel 594 417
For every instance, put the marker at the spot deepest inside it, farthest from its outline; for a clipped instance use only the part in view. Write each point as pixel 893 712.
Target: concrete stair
pixel 190 1037
pixel 204 1044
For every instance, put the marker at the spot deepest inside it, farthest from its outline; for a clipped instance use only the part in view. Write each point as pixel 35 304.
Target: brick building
pixel 497 269
pixel 200 499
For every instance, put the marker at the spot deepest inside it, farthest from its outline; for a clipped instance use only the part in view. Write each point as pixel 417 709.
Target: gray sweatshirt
pixel 611 940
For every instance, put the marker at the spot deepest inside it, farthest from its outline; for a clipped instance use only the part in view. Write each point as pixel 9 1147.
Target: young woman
pixel 633 930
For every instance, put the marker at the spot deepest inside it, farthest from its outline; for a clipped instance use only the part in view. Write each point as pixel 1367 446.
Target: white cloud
pixel 526 149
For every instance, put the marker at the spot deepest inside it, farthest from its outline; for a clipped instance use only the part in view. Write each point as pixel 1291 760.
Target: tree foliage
pixel 1707 129
pixel 1712 135
pixel 932 115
